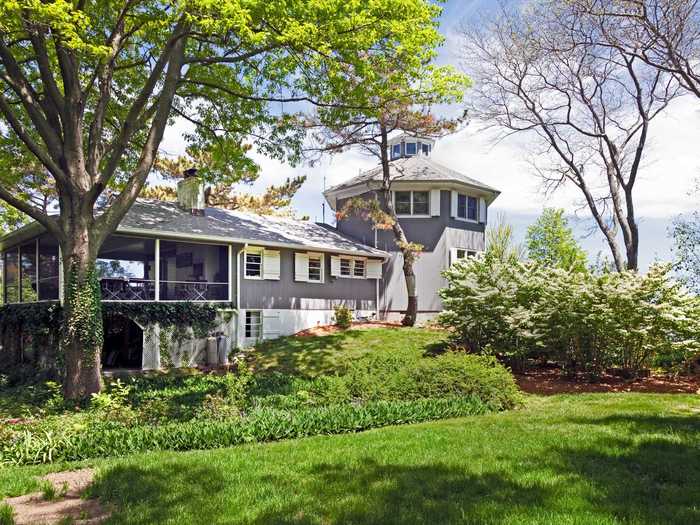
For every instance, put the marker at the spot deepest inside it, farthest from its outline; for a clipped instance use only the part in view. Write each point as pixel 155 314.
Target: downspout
pixel 238 295
pixel 376 285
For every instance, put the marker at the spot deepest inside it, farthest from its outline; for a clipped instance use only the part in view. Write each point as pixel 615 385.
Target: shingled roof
pixel 167 219
pixel 413 169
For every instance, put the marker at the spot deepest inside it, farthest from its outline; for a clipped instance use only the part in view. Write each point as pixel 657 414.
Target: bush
pixel 585 320
pixel 343 317
pixel 7 514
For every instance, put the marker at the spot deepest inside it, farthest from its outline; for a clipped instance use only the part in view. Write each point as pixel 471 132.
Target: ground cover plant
pixel 599 459
pixel 394 380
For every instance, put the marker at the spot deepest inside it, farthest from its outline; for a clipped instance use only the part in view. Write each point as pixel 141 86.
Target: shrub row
pixel 264 424
pixel 586 320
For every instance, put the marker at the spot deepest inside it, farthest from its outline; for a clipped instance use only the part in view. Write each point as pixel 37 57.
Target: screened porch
pixel 127 270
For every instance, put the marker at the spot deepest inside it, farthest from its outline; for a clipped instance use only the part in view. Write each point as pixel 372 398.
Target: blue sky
pixel 672 162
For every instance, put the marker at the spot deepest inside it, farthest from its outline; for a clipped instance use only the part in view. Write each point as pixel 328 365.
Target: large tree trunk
pixel 82 331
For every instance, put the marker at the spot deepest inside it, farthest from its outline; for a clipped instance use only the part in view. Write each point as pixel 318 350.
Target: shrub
pixel 343 317
pixel 586 320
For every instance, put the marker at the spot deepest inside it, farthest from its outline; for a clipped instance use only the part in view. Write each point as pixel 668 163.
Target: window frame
pixel 468 252
pixel 321 261
pixel 467 199
pixel 412 213
pixel 248 325
pixel 351 266
pixel 415 149
pixel 396 151
pixel 253 250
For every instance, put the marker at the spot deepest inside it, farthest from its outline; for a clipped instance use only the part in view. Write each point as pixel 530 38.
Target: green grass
pixel 584 459
pixel 313 356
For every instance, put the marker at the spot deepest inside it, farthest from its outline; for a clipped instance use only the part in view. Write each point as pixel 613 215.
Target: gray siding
pixel 358 294
pixel 436 234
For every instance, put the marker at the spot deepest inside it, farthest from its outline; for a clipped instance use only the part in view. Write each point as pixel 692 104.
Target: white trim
pixel 157 269
pixel 239 267
pixel 230 273
pixel 253 249
pixel 434 202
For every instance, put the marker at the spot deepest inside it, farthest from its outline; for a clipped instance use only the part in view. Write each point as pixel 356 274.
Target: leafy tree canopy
pixel 551 242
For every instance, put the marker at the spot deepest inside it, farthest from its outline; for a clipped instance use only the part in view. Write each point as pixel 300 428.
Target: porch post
pixel 60 275
pixel 230 273
pixel 157 269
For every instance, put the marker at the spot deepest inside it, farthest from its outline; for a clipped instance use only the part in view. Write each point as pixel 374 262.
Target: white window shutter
pixel 335 266
pixel 271 265
pixel 453 205
pixel 374 269
pixel 301 267
pixel 435 203
pixel 482 210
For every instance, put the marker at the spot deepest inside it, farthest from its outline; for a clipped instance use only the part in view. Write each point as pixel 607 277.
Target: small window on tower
pixel 403 202
pixel 396 151
pixel 426 149
pixel 410 148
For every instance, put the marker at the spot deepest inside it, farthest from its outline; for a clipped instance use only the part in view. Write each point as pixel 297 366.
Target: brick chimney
pixel 190 192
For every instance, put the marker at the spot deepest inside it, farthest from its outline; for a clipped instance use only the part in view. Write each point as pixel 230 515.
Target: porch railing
pixel 131 289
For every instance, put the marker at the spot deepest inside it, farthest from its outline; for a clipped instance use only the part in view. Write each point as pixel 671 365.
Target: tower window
pixel 412 202
pixel 411 148
pixel 396 151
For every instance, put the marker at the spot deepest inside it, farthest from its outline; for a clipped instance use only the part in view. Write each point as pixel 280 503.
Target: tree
pixel 88 88
pixel 686 240
pixel 542 71
pixel 369 130
pixel 551 242
pixel 275 200
pixel 500 243
pixel 665 34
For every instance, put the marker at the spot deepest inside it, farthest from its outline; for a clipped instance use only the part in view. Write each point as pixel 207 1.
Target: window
pixel 48 268
pixel 253 324
pixel 346 267
pixel 467 207
pixel 359 268
pixel 426 149
pixel 421 204
pixel 410 148
pixel 193 272
pixel 396 151
pixel 412 202
pixel 402 202
pixel 253 264
pixel 472 209
pixel 457 254
pixel 315 268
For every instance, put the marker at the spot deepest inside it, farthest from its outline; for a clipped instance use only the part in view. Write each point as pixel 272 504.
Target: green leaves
pixel 551 242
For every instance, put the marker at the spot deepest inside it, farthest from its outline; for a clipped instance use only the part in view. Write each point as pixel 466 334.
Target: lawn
pixel 313 356
pixel 578 459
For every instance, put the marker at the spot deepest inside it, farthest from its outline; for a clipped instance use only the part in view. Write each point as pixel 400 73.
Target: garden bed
pixel 550 381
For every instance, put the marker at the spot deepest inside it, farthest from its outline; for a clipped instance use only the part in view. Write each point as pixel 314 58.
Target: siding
pixel 358 294
pixel 436 234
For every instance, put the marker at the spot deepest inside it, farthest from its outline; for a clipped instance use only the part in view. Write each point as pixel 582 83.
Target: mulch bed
pixel 333 329
pixel 550 381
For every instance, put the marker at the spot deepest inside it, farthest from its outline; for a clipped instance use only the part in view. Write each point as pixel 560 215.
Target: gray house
pixel 271 276
pixel 440 208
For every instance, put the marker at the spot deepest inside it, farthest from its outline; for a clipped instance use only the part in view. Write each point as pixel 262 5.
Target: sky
pixel 662 192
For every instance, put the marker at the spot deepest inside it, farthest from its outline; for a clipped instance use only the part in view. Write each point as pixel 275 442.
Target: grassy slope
pixel 610 458
pixel 312 356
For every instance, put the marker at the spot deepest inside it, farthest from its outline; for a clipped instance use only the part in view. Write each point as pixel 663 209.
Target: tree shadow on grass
pixel 645 470
pixel 305 356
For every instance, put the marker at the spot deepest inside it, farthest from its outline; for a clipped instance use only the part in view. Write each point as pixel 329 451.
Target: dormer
pixel 405 145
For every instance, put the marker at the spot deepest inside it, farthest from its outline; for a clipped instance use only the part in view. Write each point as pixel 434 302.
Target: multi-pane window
pixel 253 264
pixel 467 207
pixel 253 324
pixel 345 267
pixel 402 202
pixel 396 151
pixel 412 202
pixel 315 268
pixel 359 268
pixel 410 148
pixel 463 254
pixel 426 149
